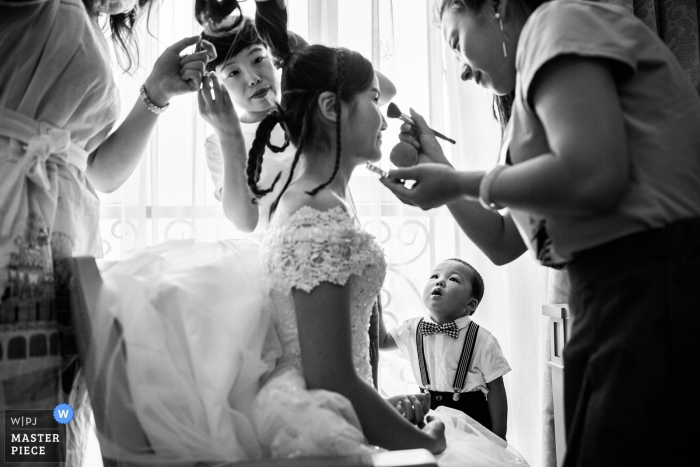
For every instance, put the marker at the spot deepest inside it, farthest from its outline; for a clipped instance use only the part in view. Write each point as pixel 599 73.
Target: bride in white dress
pixel 197 339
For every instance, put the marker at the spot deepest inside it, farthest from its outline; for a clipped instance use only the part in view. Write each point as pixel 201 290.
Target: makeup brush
pixel 394 112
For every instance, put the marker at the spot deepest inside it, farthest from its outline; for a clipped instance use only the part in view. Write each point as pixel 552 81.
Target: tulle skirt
pixel 195 341
pixel 471 444
pixel 194 326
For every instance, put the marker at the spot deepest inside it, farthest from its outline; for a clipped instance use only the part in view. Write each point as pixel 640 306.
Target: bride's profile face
pixel 366 123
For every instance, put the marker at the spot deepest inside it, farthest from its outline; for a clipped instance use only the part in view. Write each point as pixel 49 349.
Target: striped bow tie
pixel 450 328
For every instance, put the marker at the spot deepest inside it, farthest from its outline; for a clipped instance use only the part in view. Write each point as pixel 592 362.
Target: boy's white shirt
pixel 442 354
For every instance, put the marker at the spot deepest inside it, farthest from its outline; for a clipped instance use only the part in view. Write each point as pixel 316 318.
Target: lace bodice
pixel 310 247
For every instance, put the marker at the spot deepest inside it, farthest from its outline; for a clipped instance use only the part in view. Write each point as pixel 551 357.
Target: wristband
pixel 485 188
pixel 143 94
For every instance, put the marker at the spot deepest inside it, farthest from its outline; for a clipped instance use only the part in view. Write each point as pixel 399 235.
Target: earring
pixel 500 22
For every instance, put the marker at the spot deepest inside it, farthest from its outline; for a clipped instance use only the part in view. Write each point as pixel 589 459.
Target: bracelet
pixel 149 103
pixel 485 188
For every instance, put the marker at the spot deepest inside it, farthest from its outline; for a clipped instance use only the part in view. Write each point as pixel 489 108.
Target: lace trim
pixel 311 246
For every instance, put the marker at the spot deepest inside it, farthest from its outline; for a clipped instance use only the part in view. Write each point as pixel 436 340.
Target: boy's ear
pixel 326 105
pixel 471 306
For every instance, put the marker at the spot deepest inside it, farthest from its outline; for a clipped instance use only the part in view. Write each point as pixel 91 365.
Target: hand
pixel 435 185
pixel 219 112
pixel 436 430
pixel 423 139
pixel 412 407
pixel 173 75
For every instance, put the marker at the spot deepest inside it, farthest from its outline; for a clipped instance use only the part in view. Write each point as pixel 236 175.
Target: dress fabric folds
pixel 213 362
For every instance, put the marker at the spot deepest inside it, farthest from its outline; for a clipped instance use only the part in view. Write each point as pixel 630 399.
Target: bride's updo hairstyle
pixel 306 73
pixel 229 43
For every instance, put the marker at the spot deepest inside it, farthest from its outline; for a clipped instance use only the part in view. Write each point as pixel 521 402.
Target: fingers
pixel 409 411
pixel 193 78
pixel 420 122
pixel 407 128
pixel 209 48
pixel 399 408
pixel 401 192
pixel 201 57
pixel 409 138
pixel 226 98
pixel 181 45
pixel 197 66
pixel 417 411
pixel 205 93
pixel 201 102
pixel 405 173
pixel 426 402
pixel 192 68
pixel 216 86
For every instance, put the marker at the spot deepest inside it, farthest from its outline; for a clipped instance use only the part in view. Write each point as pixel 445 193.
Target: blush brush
pixel 394 112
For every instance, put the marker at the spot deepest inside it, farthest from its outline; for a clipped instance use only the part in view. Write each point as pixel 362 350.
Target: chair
pixel 560 330
pixel 85 288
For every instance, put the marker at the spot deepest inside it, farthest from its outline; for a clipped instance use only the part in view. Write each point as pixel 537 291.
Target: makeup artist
pixel 599 173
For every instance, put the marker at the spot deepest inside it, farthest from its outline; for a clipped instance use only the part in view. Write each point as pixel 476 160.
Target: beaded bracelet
pixel 149 103
pixel 485 188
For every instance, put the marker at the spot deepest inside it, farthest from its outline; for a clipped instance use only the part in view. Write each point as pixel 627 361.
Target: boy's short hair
pixel 477 280
pixel 229 45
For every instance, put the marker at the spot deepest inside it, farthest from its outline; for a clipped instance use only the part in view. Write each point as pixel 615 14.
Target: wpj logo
pixel 36 435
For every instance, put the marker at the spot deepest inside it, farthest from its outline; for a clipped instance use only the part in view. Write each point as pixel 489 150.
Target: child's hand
pixel 218 111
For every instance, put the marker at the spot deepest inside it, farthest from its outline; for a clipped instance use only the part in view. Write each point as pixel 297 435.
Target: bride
pixel 198 339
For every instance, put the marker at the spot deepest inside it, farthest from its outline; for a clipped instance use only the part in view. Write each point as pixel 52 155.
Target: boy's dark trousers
pixel 471 403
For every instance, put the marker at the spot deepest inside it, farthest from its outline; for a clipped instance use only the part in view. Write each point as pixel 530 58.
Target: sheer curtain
pixel 170 194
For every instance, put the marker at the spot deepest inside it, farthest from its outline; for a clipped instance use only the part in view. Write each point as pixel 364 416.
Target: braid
pixel 340 78
pixel 257 150
pixel 305 129
pixel 277 149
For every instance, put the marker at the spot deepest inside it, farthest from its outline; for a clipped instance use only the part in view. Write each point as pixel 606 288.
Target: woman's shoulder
pixel 297 200
pixel 314 239
pixel 581 29
pixel 576 20
pixel 573 9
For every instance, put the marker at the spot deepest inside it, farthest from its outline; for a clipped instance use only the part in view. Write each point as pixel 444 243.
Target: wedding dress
pixel 302 251
pixel 202 324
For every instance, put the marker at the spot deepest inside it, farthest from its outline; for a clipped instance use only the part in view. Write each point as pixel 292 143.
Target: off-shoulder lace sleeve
pixel 311 247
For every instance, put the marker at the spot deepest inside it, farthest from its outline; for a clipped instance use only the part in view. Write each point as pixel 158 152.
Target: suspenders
pixel 464 359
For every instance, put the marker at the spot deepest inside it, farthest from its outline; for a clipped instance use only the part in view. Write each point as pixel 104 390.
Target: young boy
pixel 453 358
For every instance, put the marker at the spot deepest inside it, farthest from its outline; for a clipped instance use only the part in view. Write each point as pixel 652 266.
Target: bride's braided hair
pixel 262 140
pixel 340 71
pixel 306 73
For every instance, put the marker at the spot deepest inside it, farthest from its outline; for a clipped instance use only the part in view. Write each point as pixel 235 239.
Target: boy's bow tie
pixel 451 329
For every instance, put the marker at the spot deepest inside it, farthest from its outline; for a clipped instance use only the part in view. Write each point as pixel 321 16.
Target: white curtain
pixel 170 194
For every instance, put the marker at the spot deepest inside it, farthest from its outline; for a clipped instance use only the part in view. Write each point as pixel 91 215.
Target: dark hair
pixel 477 280
pixel 231 43
pixel 306 73
pixel 502 105
pixel 122 29
pixel 215 13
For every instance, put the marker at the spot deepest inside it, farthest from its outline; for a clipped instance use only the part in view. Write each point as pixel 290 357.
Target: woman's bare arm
pixel 323 319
